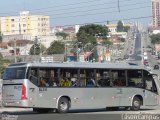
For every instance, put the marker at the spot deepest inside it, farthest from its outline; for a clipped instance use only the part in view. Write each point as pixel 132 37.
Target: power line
pixel 100 13
pixel 89 14
pixel 139 3
pixel 69 5
pixel 57 6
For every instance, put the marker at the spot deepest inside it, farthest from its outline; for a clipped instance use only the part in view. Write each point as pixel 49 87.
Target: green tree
pixel 107 42
pixel 122 39
pixel 35 49
pixel 88 33
pixel 120 27
pixel 3 64
pixel 1 37
pixel 56 48
pixel 155 38
pixel 126 28
pixel 61 34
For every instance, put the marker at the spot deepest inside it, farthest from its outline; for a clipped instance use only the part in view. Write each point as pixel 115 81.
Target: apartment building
pixel 25 24
pixel 155 14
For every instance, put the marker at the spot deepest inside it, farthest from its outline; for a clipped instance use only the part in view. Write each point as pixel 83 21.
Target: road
pixel 94 114
pixel 137 48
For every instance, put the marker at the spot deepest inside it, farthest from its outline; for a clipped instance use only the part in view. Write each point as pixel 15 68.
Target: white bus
pixel 64 86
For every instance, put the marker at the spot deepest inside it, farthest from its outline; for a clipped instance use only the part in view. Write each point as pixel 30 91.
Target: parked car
pixel 156 67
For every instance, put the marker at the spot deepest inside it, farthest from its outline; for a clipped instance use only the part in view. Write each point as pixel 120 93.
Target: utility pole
pixel 40 49
pixel 15 46
pixel 35 42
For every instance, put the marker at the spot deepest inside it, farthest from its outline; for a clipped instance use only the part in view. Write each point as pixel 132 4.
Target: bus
pixel 74 85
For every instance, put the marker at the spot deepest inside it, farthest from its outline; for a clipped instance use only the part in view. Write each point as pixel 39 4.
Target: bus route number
pixel 42 89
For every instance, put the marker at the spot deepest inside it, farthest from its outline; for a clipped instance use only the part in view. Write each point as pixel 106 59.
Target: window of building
pixel 24 25
pixel 12 20
pixel 12 25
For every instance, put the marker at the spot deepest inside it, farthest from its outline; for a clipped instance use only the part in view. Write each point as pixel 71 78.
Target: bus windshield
pixel 14 73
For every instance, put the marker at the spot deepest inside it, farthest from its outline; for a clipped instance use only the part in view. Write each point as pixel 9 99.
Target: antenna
pixel 118 6
pixel 24 5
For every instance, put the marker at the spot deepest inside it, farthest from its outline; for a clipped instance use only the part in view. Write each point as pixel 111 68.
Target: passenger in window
pixel 104 82
pixel 55 83
pixel 91 83
pixel 119 82
pixel 43 83
pixel 74 82
pixel 65 83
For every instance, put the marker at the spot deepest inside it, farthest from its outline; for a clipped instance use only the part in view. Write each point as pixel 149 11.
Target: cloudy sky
pixel 71 12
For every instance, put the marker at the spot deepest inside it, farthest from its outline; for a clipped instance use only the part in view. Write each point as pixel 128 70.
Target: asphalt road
pixel 94 114
pixel 137 50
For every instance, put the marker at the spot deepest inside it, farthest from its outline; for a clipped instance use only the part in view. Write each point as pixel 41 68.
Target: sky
pixel 72 12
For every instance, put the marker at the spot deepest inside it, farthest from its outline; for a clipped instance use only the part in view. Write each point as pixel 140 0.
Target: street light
pixel 78 43
pixel 15 46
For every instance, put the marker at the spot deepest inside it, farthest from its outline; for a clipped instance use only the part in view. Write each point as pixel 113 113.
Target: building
pixel 112 28
pixel 155 14
pixel 26 24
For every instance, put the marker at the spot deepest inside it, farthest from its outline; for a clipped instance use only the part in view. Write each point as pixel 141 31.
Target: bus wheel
pixel 63 105
pixel 136 104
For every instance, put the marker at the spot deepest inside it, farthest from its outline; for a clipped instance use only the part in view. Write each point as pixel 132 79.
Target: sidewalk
pixel 12 109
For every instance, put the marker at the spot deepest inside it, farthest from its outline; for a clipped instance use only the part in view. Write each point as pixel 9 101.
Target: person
pixel 43 83
pixel 91 82
pixel 119 82
pixel 74 81
pixel 65 83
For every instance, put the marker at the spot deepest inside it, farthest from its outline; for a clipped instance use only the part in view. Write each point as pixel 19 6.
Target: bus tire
pixel 136 104
pixel 63 105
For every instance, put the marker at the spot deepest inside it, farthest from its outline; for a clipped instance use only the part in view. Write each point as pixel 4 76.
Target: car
pixel 156 67
pixel 145 62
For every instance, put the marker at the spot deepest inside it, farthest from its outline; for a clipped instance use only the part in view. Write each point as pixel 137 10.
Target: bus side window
pixel 118 78
pixel 33 76
pixel 135 78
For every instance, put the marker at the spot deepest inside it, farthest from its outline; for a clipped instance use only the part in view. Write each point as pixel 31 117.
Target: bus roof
pixel 88 65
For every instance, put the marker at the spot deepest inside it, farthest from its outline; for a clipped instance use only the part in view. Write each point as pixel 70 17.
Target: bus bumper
pixel 15 103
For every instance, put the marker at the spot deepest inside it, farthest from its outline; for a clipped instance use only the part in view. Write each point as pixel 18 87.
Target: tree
pixel 35 49
pixel 88 33
pixel 122 39
pixel 56 48
pixel 120 27
pixel 3 64
pixel 155 38
pixel 126 28
pixel 107 42
pixel 1 38
pixel 61 34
